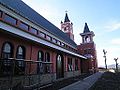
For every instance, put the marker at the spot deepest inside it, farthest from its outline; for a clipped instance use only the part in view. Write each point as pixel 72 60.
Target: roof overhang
pixel 26 35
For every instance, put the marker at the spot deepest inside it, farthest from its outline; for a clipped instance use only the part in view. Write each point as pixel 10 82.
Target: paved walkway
pixel 84 84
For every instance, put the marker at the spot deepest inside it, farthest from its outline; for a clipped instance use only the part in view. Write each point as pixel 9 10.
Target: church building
pixel 33 51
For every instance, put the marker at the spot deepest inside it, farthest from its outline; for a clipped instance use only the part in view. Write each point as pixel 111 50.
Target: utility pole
pixel 105 57
pixel 116 64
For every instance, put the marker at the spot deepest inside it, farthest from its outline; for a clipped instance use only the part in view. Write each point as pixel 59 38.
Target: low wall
pixel 7 82
pixel 72 74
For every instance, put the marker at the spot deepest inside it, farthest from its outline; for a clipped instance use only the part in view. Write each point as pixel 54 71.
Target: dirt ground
pixel 108 81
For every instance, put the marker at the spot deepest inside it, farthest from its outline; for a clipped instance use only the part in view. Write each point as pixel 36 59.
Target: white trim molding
pixel 21 33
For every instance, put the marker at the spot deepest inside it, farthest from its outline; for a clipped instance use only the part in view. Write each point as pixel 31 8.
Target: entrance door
pixel 59 66
pixel 84 66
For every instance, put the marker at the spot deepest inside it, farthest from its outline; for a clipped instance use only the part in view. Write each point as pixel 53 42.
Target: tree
pixel 116 64
pixel 105 57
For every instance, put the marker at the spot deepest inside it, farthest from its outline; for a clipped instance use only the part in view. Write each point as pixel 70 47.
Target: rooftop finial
pixel 66 11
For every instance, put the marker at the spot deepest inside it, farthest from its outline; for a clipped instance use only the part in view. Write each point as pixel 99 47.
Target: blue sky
pixel 102 16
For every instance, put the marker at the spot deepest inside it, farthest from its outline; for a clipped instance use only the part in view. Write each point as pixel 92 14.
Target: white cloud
pixel 112 26
pixel 47 11
pixel 116 41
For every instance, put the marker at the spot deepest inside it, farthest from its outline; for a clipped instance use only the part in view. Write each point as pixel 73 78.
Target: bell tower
pixel 87 35
pixel 88 48
pixel 67 27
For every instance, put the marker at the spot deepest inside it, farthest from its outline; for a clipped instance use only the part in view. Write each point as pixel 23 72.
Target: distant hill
pixel 113 66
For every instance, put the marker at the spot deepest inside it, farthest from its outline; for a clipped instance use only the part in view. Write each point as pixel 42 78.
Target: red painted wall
pixel 32 49
pixel 88 63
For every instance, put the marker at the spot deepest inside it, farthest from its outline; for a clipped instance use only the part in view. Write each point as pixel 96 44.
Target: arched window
pixel 47 57
pixel 20 55
pixel 40 56
pixel 59 58
pixel 87 39
pixel 59 61
pixel 20 52
pixel 7 50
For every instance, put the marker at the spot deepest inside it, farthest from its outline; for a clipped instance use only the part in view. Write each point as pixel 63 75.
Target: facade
pixel 67 27
pixel 88 49
pixel 33 51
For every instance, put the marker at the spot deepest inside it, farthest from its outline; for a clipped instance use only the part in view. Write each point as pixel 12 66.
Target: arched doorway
pixel 59 66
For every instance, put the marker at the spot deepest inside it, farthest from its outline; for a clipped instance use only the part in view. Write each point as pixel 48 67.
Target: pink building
pixel 32 46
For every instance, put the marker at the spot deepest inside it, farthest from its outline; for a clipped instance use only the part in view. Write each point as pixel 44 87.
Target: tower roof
pixel 86 28
pixel 66 18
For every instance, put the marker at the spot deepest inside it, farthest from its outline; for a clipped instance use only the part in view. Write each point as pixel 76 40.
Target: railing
pixel 23 70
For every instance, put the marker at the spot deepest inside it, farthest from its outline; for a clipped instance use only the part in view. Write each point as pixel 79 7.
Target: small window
pixel 24 26
pixel 42 34
pixel 48 38
pixel 63 44
pixel 54 40
pixel 10 19
pixel 33 30
pixel 66 46
pixel 58 42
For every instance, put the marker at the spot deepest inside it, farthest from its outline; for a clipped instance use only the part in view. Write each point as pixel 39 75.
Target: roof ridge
pixel 16 5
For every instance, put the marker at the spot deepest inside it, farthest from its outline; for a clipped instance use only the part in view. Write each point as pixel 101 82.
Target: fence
pixel 17 74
